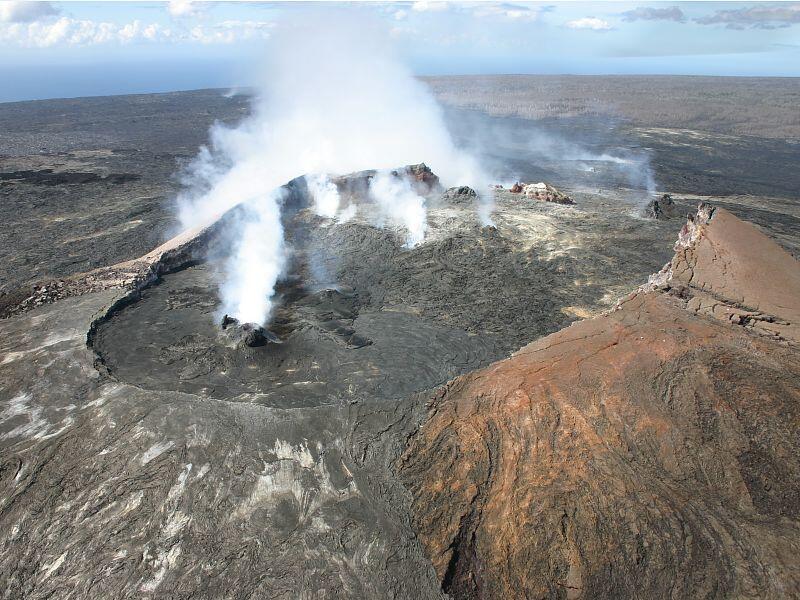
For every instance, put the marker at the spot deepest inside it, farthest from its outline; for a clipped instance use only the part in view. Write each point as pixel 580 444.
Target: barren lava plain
pixel 501 411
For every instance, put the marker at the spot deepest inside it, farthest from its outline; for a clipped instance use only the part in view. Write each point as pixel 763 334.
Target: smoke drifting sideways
pixel 333 99
pixel 632 166
pixel 575 153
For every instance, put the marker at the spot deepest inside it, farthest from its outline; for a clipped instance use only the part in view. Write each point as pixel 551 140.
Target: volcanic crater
pixel 359 315
pixel 504 410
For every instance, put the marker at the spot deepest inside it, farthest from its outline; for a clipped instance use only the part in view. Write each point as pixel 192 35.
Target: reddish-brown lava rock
pixel 652 452
pixel 426 179
pixel 545 193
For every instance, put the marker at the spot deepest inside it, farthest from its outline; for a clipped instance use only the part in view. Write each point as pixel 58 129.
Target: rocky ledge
pixel 651 452
pixel 541 191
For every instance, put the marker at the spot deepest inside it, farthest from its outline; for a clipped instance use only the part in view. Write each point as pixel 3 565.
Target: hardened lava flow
pixel 390 434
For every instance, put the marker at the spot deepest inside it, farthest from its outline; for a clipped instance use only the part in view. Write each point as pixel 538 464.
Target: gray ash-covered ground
pixel 88 182
pixel 145 452
pixel 574 152
pixel 764 107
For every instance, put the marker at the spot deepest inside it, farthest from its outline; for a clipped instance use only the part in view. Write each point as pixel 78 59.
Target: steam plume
pixel 255 263
pixel 325 194
pixel 334 99
pixel 400 205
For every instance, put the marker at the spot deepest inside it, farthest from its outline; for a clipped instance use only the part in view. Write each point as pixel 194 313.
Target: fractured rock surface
pixel 650 452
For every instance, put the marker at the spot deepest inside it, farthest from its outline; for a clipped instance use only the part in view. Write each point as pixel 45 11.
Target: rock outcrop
pixel 247 334
pixel 660 208
pixel 424 179
pixel 460 195
pixel 651 452
pixel 541 191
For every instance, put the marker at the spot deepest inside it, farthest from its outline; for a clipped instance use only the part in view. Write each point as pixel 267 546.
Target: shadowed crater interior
pixel 328 350
pixel 350 326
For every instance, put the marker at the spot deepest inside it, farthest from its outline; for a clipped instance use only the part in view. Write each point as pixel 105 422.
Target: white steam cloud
pixel 334 100
pixel 256 262
pixel 400 205
pixel 325 194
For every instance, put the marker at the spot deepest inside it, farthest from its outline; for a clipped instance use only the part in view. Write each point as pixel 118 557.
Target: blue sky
pixel 94 48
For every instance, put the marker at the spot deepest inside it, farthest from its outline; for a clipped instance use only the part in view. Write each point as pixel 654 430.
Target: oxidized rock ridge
pixel 650 452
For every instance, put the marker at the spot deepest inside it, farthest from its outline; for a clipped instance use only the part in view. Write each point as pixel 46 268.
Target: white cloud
pixel 12 11
pixel 761 16
pixel 592 23
pixel 66 31
pixel 154 31
pixel 400 14
pixel 651 13
pixel 516 12
pixel 429 6
pixel 183 8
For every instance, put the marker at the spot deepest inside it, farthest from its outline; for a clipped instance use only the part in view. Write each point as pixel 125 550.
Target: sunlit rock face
pixel 541 191
pixel 649 452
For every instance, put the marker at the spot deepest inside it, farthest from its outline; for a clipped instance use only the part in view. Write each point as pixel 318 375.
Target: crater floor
pixel 353 327
pixel 172 341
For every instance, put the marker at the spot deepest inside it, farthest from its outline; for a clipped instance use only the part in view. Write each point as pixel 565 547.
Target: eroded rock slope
pixel 651 452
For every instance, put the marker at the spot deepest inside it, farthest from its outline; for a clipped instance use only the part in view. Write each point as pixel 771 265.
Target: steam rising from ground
pixel 325 194
pixel 633 165
pixel 400 205
pixel 574 152
pixel 333 100
pixel 256 263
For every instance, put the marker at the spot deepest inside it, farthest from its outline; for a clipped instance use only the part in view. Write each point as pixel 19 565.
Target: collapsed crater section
pixel 326 342
pixel 360 315
pixel 329 350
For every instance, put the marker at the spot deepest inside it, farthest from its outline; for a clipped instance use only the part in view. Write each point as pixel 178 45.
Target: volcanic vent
pixel 330 336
